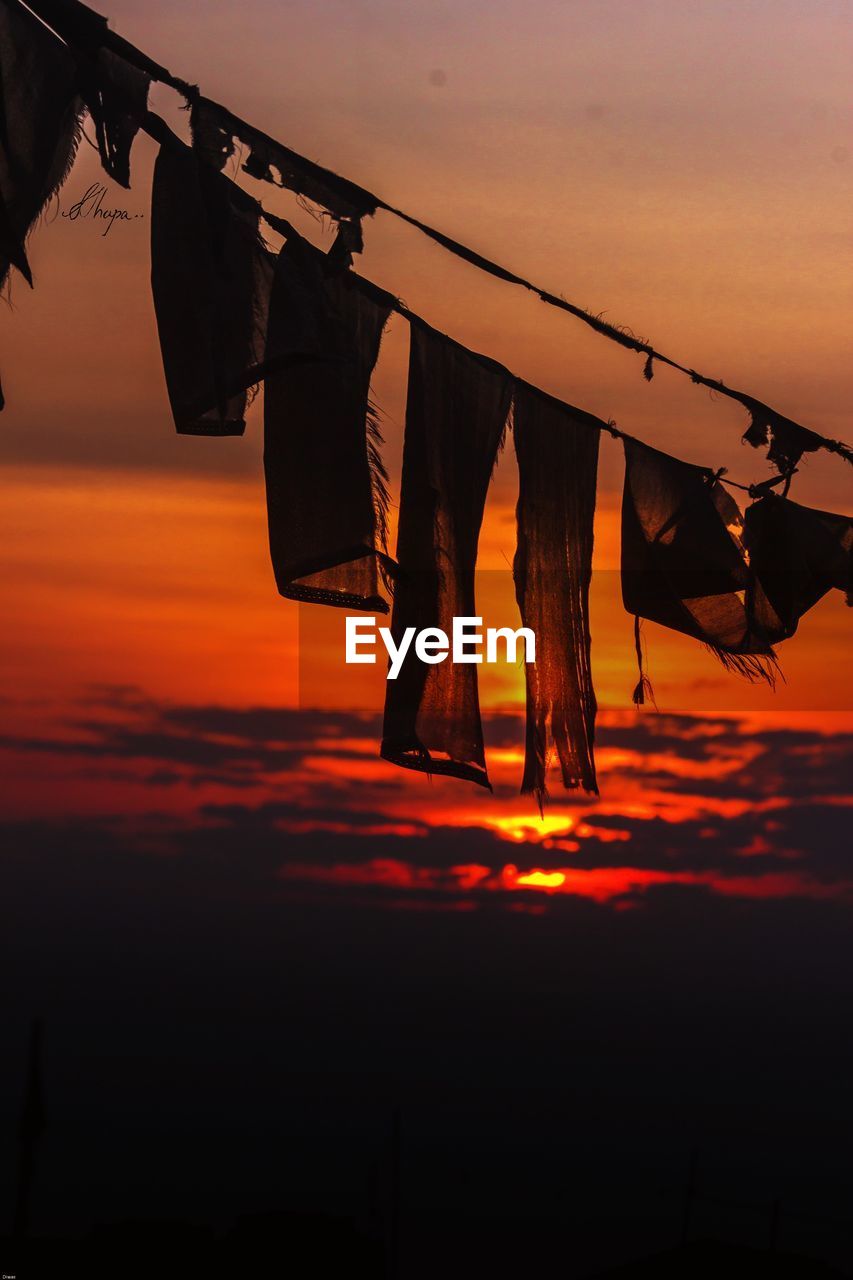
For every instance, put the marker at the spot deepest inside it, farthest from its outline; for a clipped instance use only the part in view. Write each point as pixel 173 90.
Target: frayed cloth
pixel 456 417
pixel 785 441
pixel 211 276
pixel 216 132
pixel 40 114
pixel 326 483
pixel 557 451
pixel 683 563
pixel 116 94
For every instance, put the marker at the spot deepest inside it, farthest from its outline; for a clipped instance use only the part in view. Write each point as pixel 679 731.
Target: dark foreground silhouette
pixel 315 1245
pixel 574 1091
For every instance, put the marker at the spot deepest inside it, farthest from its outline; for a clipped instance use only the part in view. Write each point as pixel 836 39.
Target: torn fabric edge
pixel 214 130
pixel 785 441
pixel 116 94
pixel 113 87
pixel 683 563
pixel 326 482
pixel 211 276
pixel 557 450
pixel 456 415
pixel 40 128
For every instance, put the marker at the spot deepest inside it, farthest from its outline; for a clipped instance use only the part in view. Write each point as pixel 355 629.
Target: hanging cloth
pixel 216 131
pixel 683 563
pixel 557 450
pixel 326 483
pixel 796 555
pixel 114 91
pixel 116 95
pixel 455 420
pixel 39 128
pixel 211 276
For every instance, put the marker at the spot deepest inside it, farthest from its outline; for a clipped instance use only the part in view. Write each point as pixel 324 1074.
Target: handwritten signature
pixel 90 205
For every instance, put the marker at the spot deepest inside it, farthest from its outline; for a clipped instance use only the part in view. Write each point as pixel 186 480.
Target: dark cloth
pixel 214 132
pixel 114 90
pixel 116 94
pixel 211 276
pixel 557 451
pixel 326 494
pixel 455 421
pixel 796 555
pixel 683 564
pixel 39 127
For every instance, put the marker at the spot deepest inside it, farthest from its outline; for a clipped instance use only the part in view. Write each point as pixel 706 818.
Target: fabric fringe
pixel 75 138
pixel 537 762
pixel 386 566
pixel 502 438
pixel 754 667
pixel 649 368
pixel 378 474
pixel 420 760
pixel 41 113
pixel 20 259
pixel 643 690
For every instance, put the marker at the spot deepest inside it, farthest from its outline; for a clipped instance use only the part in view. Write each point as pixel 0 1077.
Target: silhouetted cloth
pixel 116 94
pixel 455 420
pixel 796 555
pixel 326 494
pixel 211 276
pixel 214 132
pixel 683 564
pixel 39 129
pixel 557 451
pixel 114 90
pixel 786 441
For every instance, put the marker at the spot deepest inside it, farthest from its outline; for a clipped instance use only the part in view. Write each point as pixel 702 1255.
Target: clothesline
pixel 156 127
pixel 96 31
pixel 787 440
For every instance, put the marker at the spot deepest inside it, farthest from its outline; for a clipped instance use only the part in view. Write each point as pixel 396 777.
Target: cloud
pixel 233 746
pixel 690 800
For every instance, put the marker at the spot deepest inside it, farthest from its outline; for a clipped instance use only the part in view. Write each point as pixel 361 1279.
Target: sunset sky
pixel 696 187
pixel 250 937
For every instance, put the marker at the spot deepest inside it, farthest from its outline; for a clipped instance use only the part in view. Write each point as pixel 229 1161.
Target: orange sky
pixel 696 186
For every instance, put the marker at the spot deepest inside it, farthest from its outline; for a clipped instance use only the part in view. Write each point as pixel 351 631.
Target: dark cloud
pixel 271 724
pixel 223 846
pixel 330 820
pixel 268 739
pixel 228 745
